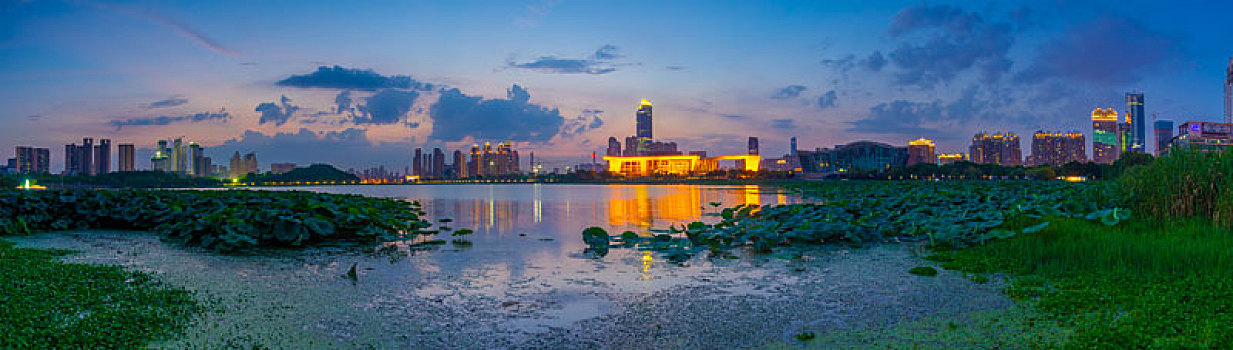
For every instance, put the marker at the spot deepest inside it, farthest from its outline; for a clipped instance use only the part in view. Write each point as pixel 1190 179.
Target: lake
pixel 524 282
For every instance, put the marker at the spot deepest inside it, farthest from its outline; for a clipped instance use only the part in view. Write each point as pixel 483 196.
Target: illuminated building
pixel 1228 92
pixel 281 168
pixel 998 148
pixel 1138 124
pixel 242 166
pixel 102 157
pixel 1057 148
pixel 921 151
pixel 1105 137
pixel 32 160
pixel 676 164
pixel 951 158
pixel 1164 136
pixel 1204 136
pixel 860 156
pixel 127 157
pixel 460 165
pixel 644 127
pixel 195 161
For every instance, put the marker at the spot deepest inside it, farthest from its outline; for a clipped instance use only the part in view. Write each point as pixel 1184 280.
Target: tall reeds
pixel 1184 184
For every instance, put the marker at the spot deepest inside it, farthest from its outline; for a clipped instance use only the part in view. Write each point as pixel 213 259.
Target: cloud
pixel 536 11
pixel 589 120
pixel 386 107
pixel 899 117
pixel 907 118
pixel 337 77
pixel 783 123
pixel 827 100
pixel 787 92
pixel 960 41
pixel 179 28
pixel 347 148
pixel 874 62
pixel 675 68
pixel 165 120
pixel 456 116
pixel 597 63
pixel 276 113
pixel 169 102
pixel 735 116
pixel 1107 50
pixel 342 102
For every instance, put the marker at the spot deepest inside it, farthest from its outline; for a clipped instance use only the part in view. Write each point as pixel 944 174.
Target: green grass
pixel 45 303
pixel 1146 283
pixel 1184 184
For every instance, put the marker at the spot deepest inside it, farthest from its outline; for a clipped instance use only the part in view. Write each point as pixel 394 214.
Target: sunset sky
pixel 361 84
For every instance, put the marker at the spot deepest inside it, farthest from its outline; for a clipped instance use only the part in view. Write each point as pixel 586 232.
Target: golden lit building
pixel 950 158
pixel 921 151
pixel 675 164
pixel 1105 136
pixel 1057 148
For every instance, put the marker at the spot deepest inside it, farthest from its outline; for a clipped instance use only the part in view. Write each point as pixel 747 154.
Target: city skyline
pixel 560 80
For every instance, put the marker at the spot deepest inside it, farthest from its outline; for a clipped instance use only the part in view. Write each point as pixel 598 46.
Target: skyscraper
pixel 237 165
pixel 1105 136
pixel 460 164
pixel 1164 136
pixel 1228 92
pixel 86 156
pixel 999 148
pixel 250 164
pixel 753 145
pixel 438 163
pixel 614 148
pixel 1138 122
pixel 161 161
pixel 793 149
pixel 102 157
pixel 921 151
pixel 32 160
pixel 417 163
pixel 127 157
pixel 196 160
pixel 644 127
pixel 1057 148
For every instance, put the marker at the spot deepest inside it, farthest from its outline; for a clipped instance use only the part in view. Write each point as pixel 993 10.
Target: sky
pixel 362 84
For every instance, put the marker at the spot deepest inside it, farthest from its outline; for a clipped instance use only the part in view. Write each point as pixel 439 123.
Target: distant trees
pixel 128 179
pixel 312 173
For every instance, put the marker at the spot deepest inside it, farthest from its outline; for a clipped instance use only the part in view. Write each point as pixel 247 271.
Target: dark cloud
pixel 599 62
pixel 735 116
pixel 874 62
pixel 165 120
pixel 827 100
pixel 342 102
pixel 277 113
pixel 34 117
pixel 899 117
pixel 337 77
pixel 385 107
pixel 589 120
pixel 170 102
pixel 344 149
pixel 915 119
pixel 960 41
pixel 783 123
pixel 1107 50
pixel 456 116
pixel 787 92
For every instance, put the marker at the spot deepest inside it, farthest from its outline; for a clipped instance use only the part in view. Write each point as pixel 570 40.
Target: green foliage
pixel 226 221
pixel 1184 184
pixel 923 271
pixel 312 173
pixel 47 304
pixel 805 336
pixel 1143 283
pixel 956 213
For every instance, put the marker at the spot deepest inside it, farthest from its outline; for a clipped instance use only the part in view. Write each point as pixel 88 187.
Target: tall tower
pixel 1104 136
pixel 417 163
pixel 127 157
pixel 102 157
pixel 644 126
pixel 1228 92
pixel 753 145
pixel 1138 122
pixel 86 165
pixel 793 149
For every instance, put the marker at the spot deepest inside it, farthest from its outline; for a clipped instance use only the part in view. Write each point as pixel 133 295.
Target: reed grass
pixel 1186 183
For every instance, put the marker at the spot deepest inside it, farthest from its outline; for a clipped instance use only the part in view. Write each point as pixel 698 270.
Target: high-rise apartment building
pixel 643 130
pixel 161 161
pixel 102 157
pixel 753 145
pixel 1105 136
pixel 1228 92
pixel 32 160
pixel 417 163
pixel 87 156
pixel 614 147
pixel 195 161
pixel 1164 135
pixel 1138 122
pixel 460 165
pixel 1057 148
pixel 127 157
pixel 438 163
pixel 998 148
pixel 921 151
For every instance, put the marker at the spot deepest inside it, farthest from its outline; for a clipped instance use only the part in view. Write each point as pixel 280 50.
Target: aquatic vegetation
pixel 923 271
pixel 48 304
pixel 1145 283
pixel 952 213
pixel 1184 184
pixel 226 221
